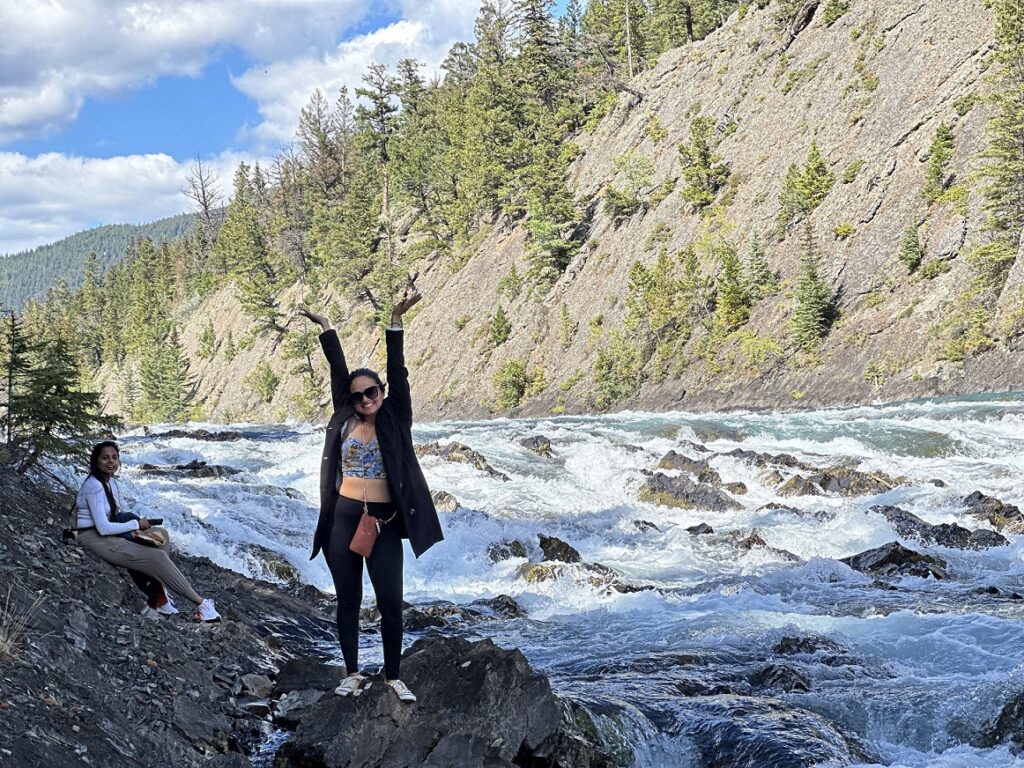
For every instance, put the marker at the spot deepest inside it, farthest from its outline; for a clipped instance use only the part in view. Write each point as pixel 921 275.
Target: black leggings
pixel 385 567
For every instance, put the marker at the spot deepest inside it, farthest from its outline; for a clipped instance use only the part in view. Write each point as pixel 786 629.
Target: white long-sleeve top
pixel 94 509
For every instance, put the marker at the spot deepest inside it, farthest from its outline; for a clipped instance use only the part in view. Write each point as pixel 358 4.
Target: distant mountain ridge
pixel 29 274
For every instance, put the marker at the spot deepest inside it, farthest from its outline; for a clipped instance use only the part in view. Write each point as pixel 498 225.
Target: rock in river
pixel 479 705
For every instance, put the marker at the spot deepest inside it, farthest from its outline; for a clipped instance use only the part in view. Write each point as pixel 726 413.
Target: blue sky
pixel 106 103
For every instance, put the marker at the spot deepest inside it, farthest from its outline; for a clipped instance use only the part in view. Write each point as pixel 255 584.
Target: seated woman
pixel 99 503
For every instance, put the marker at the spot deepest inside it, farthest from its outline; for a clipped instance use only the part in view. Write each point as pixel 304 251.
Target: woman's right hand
pixel 143 524
pixel 313 317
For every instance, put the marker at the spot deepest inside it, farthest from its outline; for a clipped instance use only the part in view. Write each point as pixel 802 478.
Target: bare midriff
pixel 376 490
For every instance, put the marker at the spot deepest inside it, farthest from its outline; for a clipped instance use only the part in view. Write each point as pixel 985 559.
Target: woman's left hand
pixel 410 297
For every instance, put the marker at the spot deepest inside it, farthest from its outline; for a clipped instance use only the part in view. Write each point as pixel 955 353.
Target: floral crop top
pixel 364 460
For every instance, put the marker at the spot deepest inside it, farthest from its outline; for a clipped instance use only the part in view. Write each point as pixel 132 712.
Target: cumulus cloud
pixel 425 32
pixel 51 196
pixel 55 54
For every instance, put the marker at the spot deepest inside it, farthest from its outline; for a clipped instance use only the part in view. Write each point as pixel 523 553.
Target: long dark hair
pixel 95 471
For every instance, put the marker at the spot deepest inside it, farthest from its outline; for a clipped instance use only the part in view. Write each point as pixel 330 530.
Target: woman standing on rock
pixel 99 501
pixel 369 465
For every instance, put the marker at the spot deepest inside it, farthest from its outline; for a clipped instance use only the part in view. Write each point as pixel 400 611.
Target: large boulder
pixel 1004 517
pixel 479 705
pixel 752 732
pixel 910 526
pixel 893 559
pixel 683 492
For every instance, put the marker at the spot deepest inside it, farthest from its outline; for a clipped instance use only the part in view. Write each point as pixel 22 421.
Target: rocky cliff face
pixel 870 88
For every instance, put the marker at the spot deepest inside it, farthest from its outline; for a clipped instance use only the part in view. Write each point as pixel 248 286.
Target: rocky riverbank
pixel 91 681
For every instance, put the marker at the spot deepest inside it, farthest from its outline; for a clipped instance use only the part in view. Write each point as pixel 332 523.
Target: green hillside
pixel 29 274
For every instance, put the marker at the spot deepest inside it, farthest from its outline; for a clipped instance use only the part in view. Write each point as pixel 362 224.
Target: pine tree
pixel 501 327
pixel 1004 166
pixel 702 169
pixel 760 279
pixel 732 307
pixel 805 187
pixel 243 249
pixel 938 165
pixel 911 252
pixel 207 341
pixel 46 411
pixel 813 299
pixel 168 390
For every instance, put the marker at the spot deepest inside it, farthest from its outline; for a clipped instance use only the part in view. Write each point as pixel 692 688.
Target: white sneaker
pixel 168 608
pixel 206 612
pixel 404 694
pixel 350 685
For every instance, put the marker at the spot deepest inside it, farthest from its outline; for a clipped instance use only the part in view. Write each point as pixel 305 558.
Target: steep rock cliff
pixel 870 88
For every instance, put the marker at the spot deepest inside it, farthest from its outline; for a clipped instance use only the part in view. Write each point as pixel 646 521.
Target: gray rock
pixel 506 550
pixel 781 676
pixel 444 501
pixel 556 549
pixel 538 444
pixel 699 468
pixel 305 673
pixel 685 493
pixel 460 454
pixel 258 686
pixel 479 705
pixel 701 529
pixel 949 535
pixel 1004 517
pixel 894 559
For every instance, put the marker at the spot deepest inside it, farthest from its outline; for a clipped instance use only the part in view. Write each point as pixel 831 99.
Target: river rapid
pixel 910 672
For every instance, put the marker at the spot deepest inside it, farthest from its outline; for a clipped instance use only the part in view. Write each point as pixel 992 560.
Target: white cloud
pixel 425 32
pixel 56 53
pixel 51 196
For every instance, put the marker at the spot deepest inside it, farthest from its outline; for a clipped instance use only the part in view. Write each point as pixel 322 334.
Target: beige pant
pixel 152 561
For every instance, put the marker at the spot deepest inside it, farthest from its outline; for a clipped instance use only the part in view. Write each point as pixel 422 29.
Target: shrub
pixel 844 230
pixel 513 383
pixel 835 10
pixel 263 381
pixel 851 171
pixel 617 371
pixel 934 268
pixel 655 131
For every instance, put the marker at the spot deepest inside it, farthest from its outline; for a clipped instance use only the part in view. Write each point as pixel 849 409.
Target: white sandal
pixel 350 685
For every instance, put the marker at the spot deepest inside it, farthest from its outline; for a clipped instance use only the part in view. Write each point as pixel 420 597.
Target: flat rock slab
pixel 460 454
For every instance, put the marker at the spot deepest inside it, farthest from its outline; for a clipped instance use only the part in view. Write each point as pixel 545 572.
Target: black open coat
pixel 393 422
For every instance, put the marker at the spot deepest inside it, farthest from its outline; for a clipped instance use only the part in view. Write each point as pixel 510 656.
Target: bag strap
pixel 73 516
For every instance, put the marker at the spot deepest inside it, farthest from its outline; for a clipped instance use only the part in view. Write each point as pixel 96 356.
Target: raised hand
pixel 313 316
pixel 410 297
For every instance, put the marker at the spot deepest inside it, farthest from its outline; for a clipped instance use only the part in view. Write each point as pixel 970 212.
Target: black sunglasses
pixel 370 393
